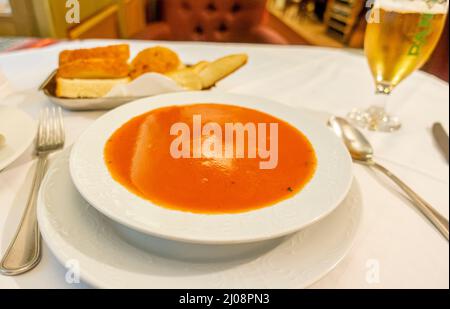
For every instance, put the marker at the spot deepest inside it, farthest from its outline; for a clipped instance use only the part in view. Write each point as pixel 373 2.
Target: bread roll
pixel 156 59
pixel 221 68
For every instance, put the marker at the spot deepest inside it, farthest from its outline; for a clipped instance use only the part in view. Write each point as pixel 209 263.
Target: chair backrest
pixel 213 20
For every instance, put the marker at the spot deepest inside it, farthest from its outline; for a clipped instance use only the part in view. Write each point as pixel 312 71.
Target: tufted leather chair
pixel 438 62
pixel 212 20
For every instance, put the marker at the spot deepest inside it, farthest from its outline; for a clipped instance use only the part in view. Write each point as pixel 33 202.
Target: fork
pixel 24 251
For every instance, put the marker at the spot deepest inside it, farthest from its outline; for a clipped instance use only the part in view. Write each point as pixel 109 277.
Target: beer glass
pixel 400 37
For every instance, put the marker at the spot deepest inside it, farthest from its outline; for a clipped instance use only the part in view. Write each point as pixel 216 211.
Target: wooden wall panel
pixel 104 25
pixel 132 17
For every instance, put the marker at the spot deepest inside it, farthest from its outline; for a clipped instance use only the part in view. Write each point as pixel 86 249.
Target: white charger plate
pixel 75 232
pixel 19 130
pixel 324 192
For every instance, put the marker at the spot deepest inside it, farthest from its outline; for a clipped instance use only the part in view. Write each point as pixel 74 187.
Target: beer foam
pixel 417 6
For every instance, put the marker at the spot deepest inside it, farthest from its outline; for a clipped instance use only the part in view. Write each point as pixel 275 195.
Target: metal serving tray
pixel 49 89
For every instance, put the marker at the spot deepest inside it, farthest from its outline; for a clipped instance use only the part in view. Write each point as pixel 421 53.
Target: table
pixel 395 247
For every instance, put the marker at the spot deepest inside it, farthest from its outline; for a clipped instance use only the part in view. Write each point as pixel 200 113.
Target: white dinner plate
pixel 19 131
pixel 79 235
pixel 318 198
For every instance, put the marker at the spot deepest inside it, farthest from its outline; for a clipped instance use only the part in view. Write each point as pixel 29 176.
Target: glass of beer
pixel 400 37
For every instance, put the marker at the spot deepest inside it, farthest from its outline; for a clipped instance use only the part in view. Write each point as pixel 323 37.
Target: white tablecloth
pixel 393 241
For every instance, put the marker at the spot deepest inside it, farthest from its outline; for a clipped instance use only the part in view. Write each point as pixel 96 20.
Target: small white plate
pixel 19 130
pixel 79 235
pixel 318 198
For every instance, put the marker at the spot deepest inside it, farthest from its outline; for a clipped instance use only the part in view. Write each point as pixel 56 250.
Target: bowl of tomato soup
pixel 211 168
pixel 137 156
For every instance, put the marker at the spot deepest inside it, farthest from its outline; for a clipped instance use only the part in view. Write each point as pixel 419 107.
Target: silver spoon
pixel 362 152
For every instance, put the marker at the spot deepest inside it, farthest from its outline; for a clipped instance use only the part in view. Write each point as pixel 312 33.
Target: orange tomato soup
pixel 138 156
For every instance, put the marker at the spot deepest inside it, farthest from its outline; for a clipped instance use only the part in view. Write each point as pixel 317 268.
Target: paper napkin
pixel 148 84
